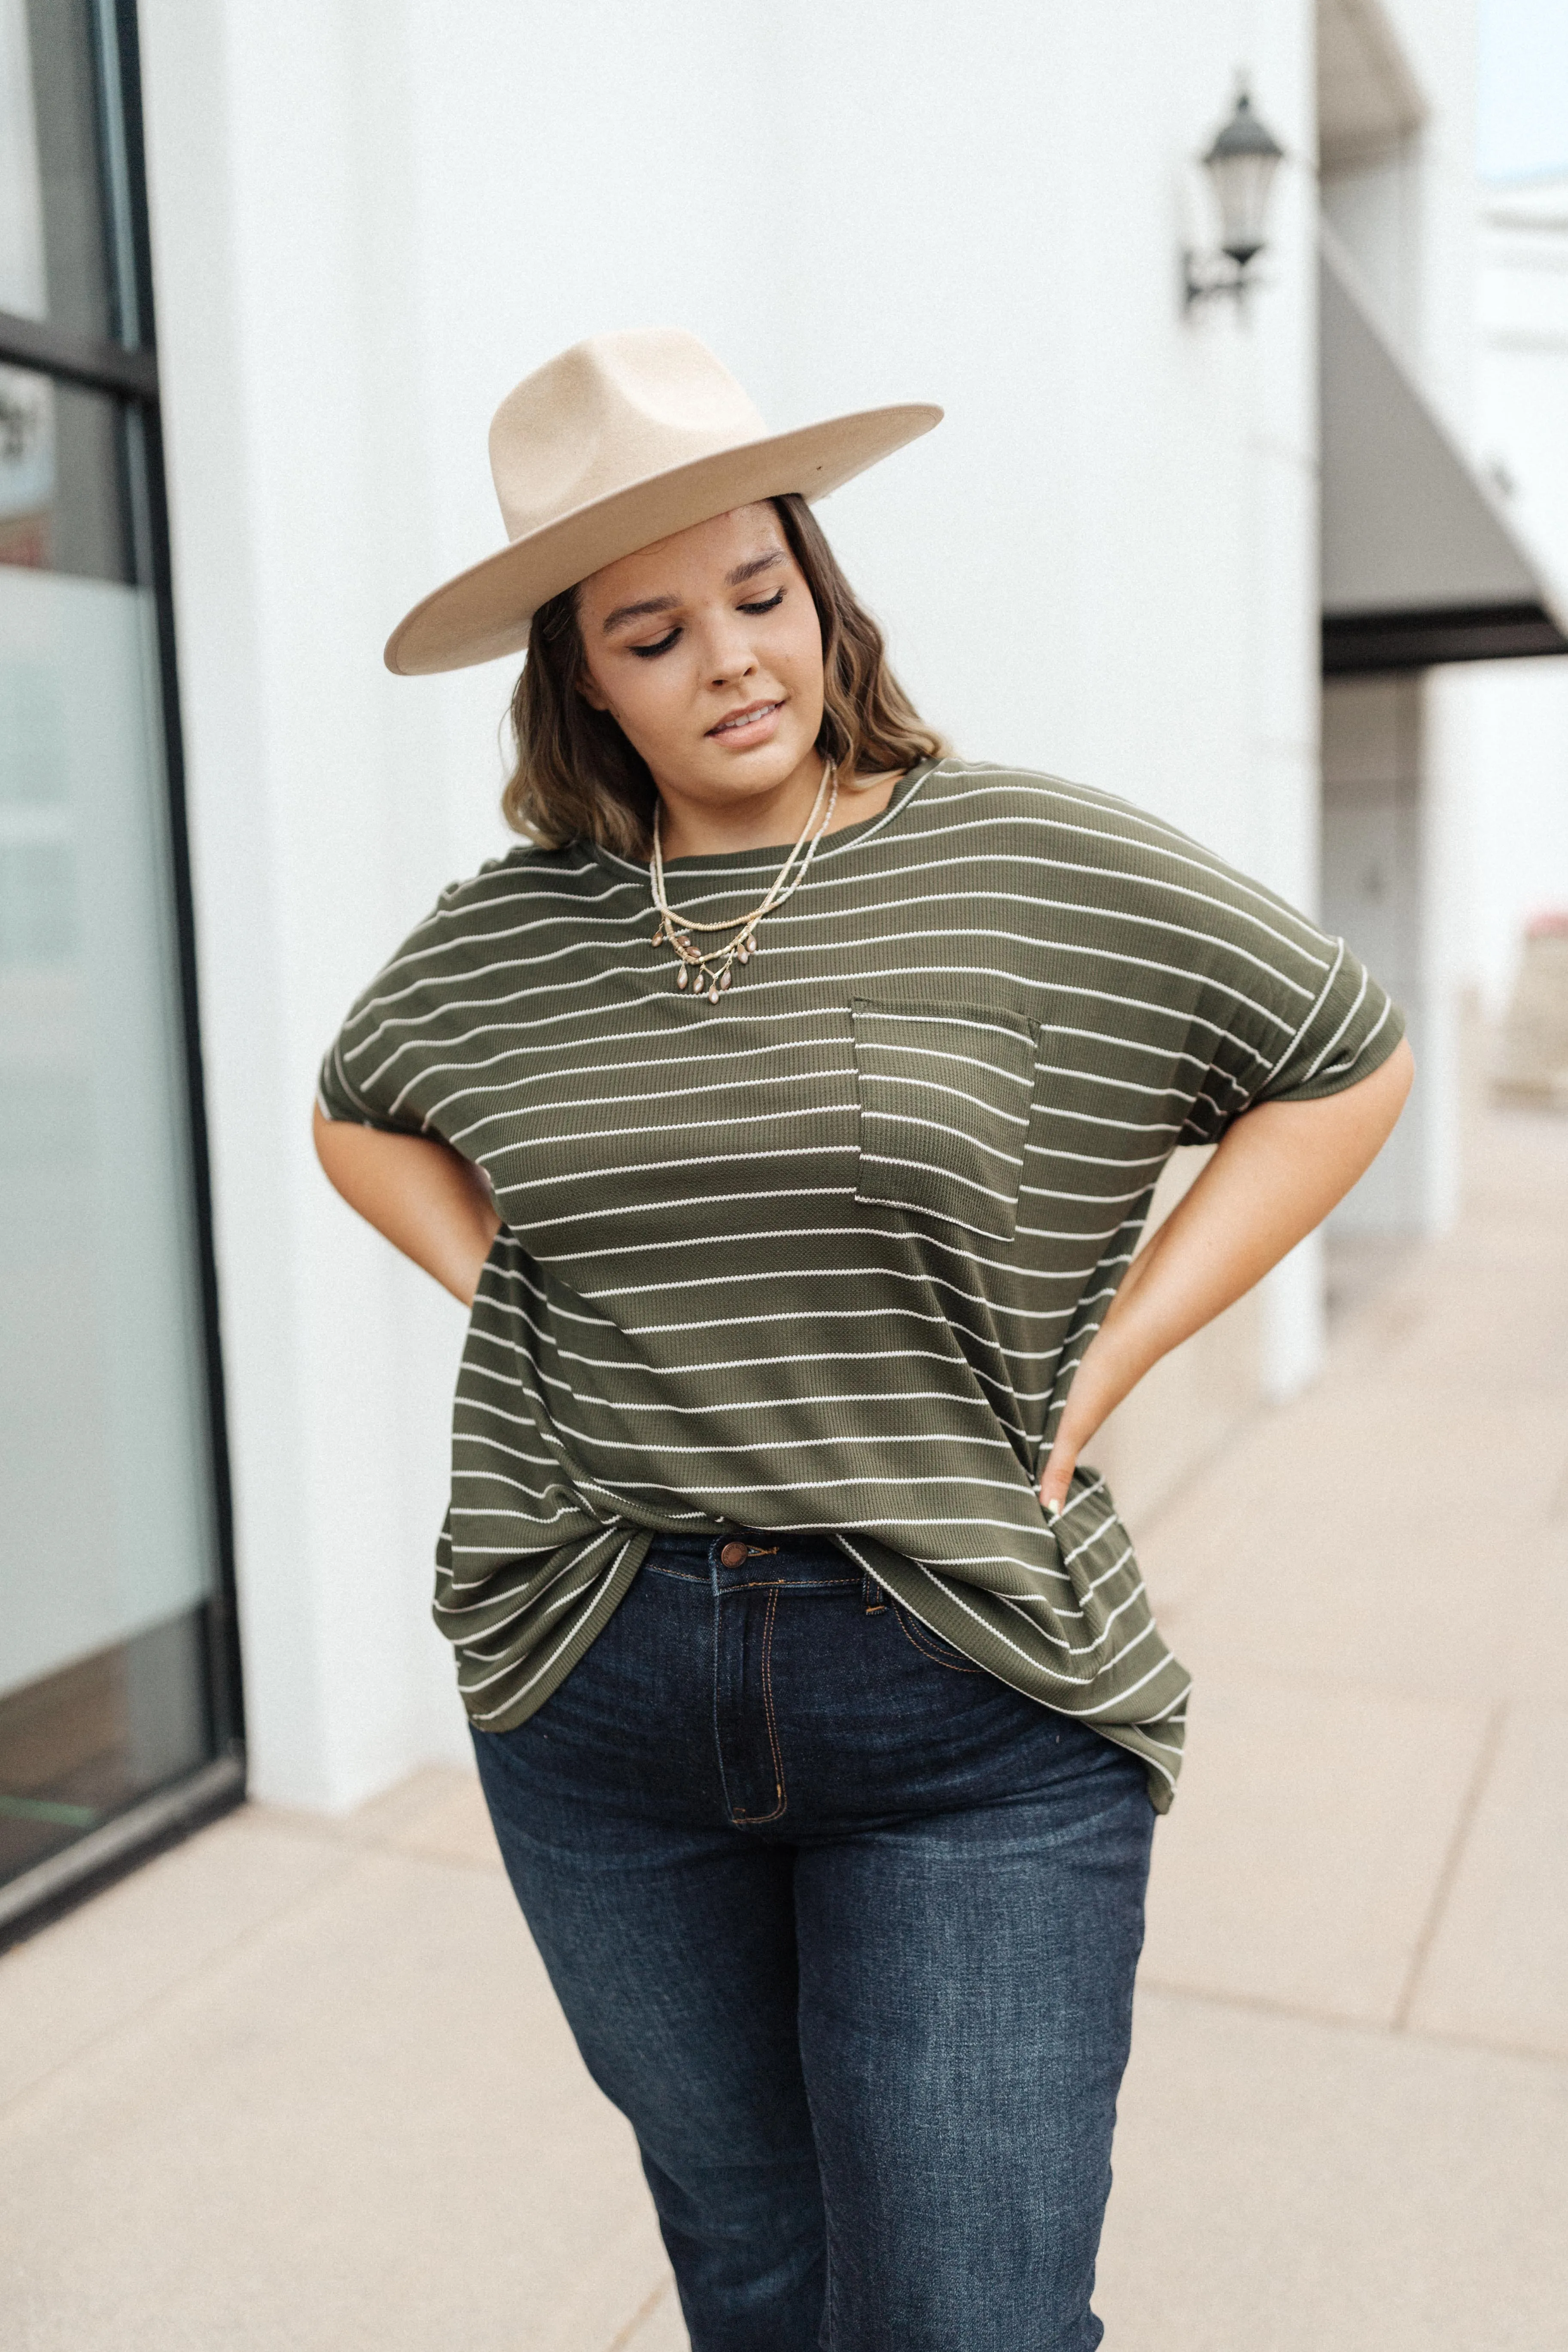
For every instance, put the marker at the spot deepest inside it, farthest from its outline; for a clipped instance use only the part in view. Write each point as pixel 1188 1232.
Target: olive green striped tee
pixel 825 1257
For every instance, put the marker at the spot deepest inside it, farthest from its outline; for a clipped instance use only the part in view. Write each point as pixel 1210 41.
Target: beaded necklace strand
pixel 709 969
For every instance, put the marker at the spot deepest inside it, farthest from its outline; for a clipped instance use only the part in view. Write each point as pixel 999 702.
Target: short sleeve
pixel 338 1099
pixel 364 1077
pixel 1283 1011
pixel 1353 1027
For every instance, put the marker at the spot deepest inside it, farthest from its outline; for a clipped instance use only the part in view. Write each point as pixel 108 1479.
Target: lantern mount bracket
pixel 1206 278
pixel 1241 162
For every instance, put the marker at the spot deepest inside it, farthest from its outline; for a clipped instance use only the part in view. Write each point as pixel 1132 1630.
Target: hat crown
pixel 612 410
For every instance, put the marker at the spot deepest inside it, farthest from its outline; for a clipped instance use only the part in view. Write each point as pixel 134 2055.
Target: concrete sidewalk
pixel 272 2091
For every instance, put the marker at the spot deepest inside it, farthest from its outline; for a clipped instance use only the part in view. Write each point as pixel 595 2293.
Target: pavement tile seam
pixel 402 1846
pixel 345 1830
pixel 643 2312
pixel 1168 1989
pixel 1449 1874
pixel 1306 1682
pixel 322 1829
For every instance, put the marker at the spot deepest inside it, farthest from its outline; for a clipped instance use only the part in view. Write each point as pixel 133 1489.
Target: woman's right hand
pixel 427 1199
pixel 1278 1171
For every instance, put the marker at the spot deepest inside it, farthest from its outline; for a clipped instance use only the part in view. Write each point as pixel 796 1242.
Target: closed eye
pixel 662 645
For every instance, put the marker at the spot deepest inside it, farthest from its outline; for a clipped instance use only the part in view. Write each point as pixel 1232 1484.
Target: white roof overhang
pixel 1420 563
pixel 1368 96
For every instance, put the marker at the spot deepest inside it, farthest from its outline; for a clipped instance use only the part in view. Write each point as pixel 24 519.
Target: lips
pixel 734 721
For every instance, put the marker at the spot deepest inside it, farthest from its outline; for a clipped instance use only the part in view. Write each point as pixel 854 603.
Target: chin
pixel 762 771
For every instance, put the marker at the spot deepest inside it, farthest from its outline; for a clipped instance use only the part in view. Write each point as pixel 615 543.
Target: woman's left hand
pixel 1275 1176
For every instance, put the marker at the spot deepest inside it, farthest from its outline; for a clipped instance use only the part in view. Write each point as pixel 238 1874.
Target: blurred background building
pixel 1278 564
pixel 1519 745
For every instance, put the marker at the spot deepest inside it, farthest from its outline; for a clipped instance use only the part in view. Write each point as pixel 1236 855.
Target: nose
pixel 729 655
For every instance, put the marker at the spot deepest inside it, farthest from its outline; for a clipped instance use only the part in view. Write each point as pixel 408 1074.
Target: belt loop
pixel 876 1599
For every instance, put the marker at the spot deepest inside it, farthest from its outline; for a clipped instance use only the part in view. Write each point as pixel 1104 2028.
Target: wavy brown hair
pixel 576 775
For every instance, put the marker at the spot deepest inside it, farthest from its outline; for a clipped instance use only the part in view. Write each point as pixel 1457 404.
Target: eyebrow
pixel 744 571
pixel 637 611
pixel 648 606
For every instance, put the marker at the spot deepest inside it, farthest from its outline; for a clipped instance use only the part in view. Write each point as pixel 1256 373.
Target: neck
pixel 764 820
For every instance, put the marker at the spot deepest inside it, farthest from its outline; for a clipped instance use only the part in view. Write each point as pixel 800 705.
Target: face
pixel 706 651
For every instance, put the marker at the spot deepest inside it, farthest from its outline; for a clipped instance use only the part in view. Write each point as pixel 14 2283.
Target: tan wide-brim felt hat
pixel 618 442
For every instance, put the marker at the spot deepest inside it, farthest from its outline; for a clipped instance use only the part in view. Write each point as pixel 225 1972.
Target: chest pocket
pixel 944 1094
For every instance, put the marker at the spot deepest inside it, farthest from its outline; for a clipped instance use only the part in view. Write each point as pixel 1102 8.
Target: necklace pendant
pixel 708 972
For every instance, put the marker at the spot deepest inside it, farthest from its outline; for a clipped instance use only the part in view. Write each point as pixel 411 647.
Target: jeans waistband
pixel 808 1561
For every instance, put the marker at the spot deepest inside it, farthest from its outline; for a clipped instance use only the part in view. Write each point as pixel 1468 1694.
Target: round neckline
pixel 740 861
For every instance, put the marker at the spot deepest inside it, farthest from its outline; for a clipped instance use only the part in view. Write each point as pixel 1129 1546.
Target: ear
pixel 590 692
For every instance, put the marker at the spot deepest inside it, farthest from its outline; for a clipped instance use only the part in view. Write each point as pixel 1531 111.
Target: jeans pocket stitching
pixel 913 1630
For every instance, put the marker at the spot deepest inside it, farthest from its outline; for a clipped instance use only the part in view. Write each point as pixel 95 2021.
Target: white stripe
pixel 811 1313
pixel 640 1127
pixel 937 1175
pixel 1009 1158
pixel 935 1086
pixel 563 1644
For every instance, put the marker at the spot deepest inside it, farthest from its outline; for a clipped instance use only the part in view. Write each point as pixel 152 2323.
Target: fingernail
pixel 1053 1510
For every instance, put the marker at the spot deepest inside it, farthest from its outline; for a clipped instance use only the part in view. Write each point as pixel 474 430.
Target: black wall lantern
pixel 1241 164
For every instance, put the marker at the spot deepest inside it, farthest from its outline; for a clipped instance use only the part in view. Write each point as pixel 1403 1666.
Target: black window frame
pixel 126 369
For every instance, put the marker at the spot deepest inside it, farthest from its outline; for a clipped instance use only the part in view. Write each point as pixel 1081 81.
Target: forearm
pixel 1273 1180
pixel 421 1195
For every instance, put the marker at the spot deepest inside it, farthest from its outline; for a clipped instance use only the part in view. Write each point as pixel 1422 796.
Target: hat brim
pixel 484 612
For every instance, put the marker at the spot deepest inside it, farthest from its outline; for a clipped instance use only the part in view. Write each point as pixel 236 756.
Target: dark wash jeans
pixel 847 1930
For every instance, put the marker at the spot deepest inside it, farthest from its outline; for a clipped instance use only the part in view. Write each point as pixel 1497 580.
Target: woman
pixel 788 1116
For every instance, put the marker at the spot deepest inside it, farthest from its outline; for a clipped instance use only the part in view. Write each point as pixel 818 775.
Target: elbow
pixel 1402 1074
pixel 323 1136
pixel 1387 1092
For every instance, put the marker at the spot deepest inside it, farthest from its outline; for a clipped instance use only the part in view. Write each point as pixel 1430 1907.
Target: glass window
pixel 113 1665
pixel 63 477
pixel 54 252
pixel 105 1537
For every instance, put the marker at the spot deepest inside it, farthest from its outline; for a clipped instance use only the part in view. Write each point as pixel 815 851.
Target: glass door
pixel 118 1685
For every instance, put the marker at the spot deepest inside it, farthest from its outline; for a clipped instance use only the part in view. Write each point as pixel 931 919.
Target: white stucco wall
pixel 1438 38
pixel 369 221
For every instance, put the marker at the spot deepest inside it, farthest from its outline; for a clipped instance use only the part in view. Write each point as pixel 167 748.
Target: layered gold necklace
pixel 709 969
